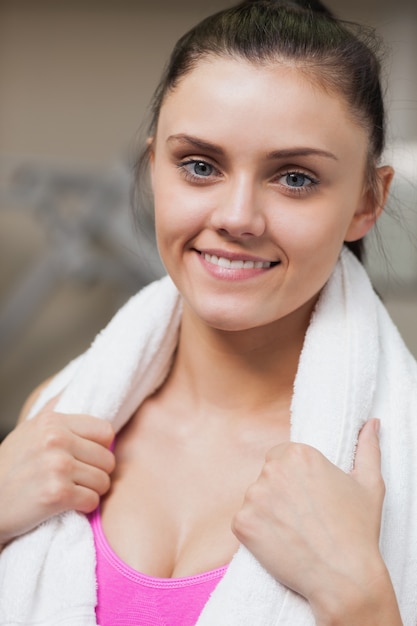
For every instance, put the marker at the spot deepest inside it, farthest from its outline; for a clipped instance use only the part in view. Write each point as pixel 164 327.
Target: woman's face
pixel 258 179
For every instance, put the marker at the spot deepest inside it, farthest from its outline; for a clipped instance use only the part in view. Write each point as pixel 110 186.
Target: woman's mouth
pixel 236 264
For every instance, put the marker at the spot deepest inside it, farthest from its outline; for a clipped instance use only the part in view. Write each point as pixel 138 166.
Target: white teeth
pixel 238 264
pixel 223 262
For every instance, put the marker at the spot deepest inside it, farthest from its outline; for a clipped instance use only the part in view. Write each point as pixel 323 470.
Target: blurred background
pixel 76 78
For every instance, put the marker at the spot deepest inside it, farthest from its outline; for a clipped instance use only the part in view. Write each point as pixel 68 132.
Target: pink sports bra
pixel 127 597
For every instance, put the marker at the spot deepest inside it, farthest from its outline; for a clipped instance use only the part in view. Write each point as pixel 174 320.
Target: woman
pixel 241 393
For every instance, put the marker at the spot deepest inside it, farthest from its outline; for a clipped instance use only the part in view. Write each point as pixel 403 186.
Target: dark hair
pixel 340 56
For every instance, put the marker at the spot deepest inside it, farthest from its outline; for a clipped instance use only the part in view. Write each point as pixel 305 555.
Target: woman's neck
pixel 238 372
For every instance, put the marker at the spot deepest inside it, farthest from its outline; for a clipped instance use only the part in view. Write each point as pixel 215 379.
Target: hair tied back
pixel 309 5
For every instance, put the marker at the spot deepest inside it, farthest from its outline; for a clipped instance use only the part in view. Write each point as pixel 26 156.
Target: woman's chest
pixel 174 495
pixel 169 515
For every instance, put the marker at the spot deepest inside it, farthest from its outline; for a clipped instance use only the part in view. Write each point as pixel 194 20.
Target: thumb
pixel 367 468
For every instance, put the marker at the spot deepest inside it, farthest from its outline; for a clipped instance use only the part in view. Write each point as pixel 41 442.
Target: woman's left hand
pixel 316 529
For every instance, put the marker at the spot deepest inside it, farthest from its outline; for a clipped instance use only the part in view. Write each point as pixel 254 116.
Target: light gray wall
pixel 76 77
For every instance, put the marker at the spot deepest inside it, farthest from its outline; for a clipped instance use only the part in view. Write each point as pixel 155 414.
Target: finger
pixel 86 426
pixel 85 499
pixel 92 429
pixel 367 468
pixel 91 477
pixel 93 454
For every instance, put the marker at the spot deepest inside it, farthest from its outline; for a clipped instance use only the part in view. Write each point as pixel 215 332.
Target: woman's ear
pixel 372 205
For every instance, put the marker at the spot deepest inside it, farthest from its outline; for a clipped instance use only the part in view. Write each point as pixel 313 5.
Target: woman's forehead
pixel 221 97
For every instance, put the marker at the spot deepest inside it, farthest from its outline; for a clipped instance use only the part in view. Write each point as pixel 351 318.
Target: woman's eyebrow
pixel 201 144
pixel 297 152
pixel 195 142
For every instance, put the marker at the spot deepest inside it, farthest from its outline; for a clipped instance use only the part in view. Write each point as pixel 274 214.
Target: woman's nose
pixel 239 210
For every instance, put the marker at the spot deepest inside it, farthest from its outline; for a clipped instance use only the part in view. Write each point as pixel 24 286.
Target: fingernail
pixel 377 426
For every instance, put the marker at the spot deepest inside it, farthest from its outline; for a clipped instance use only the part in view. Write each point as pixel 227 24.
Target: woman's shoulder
pixel 31 399
pixel 48 389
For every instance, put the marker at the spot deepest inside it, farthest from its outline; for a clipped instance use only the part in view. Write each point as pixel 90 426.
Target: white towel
pixel 353 366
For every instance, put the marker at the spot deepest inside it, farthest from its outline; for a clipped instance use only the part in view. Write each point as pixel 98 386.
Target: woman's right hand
pixel 50 464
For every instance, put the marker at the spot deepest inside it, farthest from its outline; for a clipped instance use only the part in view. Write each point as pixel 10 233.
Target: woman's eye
pixel 297 182
pixel 197 170
pixel 200 168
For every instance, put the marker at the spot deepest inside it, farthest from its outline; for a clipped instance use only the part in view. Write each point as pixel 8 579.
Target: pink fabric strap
pixel 127 597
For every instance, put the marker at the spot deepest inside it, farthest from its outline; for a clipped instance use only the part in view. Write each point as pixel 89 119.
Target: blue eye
pixel 201 168
pixel 293 182
pixel 296 179
pixel 196 171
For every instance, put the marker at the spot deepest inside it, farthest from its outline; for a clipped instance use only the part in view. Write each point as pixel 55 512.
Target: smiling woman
pixel 245 478
pixel 241 179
